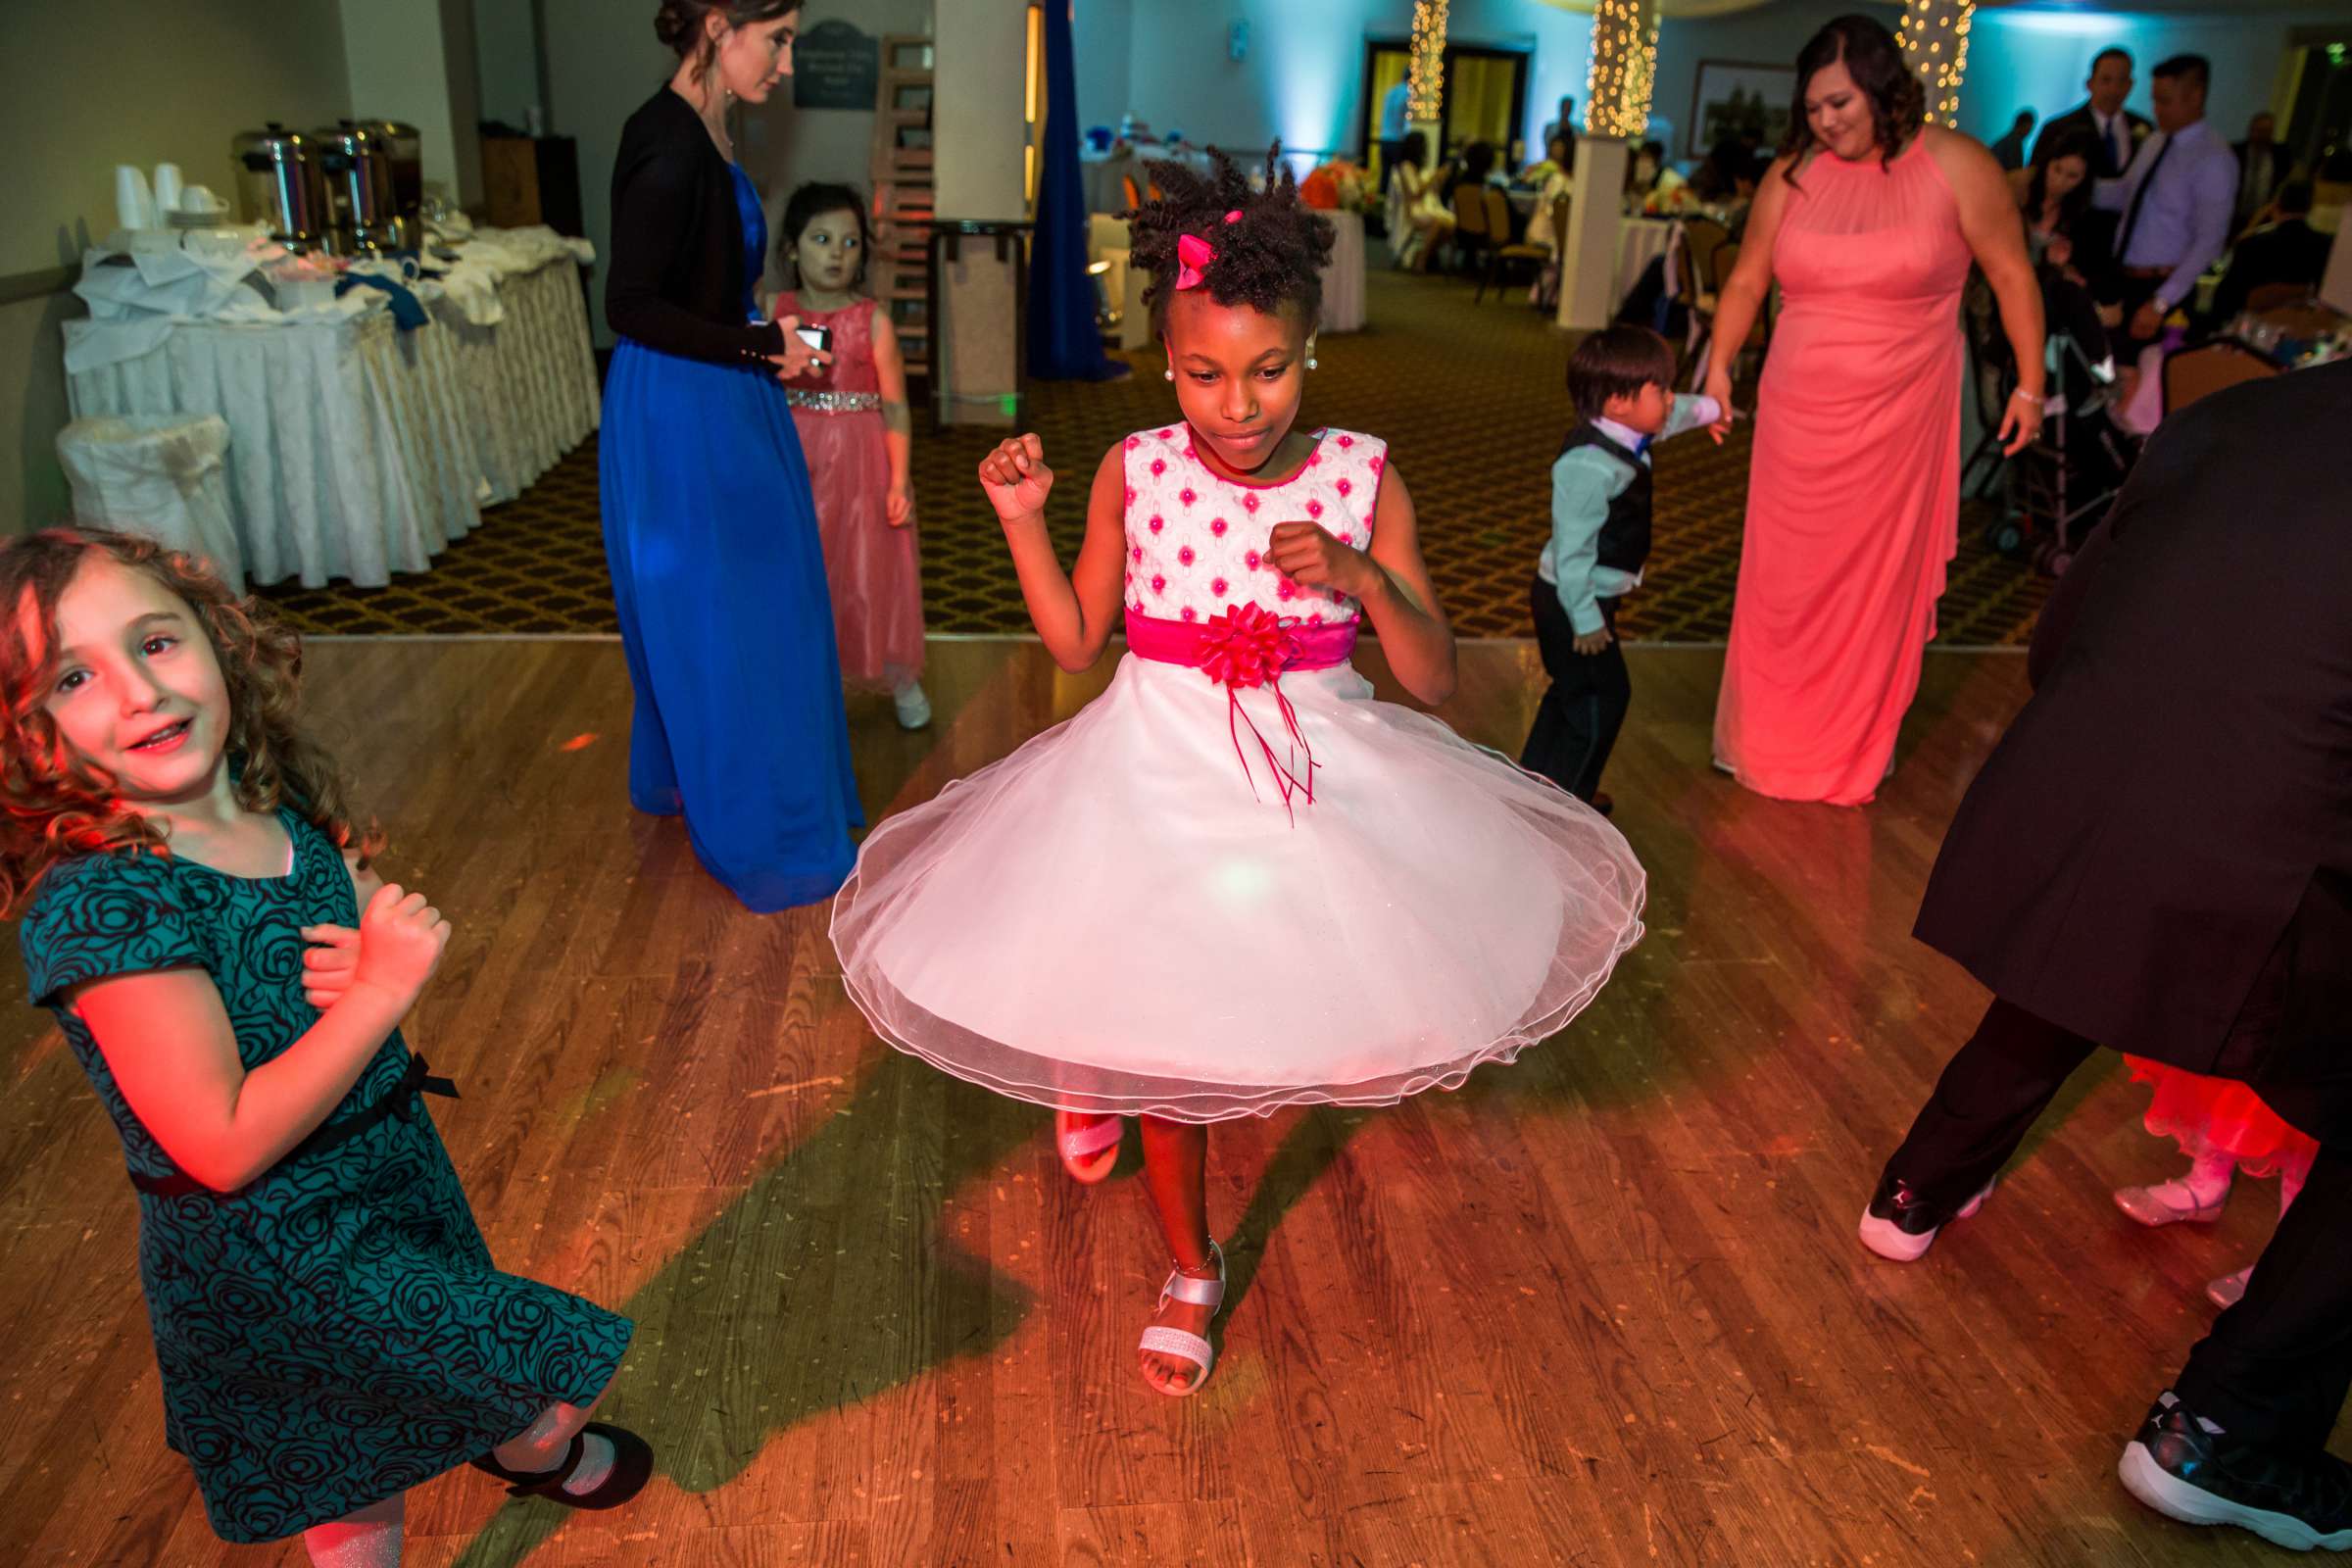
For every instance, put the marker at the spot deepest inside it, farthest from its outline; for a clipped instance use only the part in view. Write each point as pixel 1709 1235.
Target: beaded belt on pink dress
pixel 1249 645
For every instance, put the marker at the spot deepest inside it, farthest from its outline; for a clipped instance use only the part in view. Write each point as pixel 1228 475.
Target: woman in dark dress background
pixel 710 526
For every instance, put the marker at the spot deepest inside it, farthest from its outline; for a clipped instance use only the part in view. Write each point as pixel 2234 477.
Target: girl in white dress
pixel 1233 882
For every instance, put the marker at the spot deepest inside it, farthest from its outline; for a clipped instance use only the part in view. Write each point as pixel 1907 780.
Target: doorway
pixel 1484 99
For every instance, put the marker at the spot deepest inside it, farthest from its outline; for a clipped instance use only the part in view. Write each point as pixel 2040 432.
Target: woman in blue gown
pixel 709 527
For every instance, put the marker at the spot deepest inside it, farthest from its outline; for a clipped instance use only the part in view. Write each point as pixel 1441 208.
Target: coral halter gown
pixel 1854 498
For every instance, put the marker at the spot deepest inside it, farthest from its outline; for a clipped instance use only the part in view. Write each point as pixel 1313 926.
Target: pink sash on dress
pixel 1249 645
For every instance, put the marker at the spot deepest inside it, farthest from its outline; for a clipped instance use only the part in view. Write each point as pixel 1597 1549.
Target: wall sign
pixel 834 65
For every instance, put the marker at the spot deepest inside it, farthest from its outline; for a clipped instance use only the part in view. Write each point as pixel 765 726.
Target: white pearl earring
pixel 1313 362
pixel 1169 374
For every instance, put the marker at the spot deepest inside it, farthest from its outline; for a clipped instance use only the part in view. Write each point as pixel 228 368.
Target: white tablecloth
pixel 530 384
pixel 1344 274
pixel 358 450
pixel 1639 241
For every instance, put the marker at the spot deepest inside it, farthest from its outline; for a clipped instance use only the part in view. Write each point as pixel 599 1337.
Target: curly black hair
pixel 1270 245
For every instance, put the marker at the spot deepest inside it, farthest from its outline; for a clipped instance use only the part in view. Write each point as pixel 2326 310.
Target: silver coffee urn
pixel 281 181
pixel 359 183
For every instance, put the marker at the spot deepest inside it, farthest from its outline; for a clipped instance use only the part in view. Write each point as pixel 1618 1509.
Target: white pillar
pixel 1596 225
pixel 1617 87
pixel 1933 35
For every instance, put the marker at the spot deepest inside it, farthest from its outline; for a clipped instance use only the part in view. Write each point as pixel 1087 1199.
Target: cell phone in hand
pixel 820 338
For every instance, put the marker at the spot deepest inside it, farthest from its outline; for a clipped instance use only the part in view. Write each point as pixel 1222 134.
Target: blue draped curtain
pixel 1065 343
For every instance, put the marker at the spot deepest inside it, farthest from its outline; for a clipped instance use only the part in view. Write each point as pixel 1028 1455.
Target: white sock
pixel 2208 1179
pixel 367 1539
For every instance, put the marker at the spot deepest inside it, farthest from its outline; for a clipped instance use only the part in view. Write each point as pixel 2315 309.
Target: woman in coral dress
pixel 1868 221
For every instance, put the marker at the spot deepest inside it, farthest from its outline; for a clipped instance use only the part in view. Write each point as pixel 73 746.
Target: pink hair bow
pixel 1192 256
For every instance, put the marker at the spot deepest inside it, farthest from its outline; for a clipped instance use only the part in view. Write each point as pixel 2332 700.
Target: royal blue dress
pixel 719 580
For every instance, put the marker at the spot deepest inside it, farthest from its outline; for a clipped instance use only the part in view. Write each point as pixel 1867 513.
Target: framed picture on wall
pixel 1737 96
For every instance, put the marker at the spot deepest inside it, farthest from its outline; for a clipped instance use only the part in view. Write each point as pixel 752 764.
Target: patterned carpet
pixel 1469 397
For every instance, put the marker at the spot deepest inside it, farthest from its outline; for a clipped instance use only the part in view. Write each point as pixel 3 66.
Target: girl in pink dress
pixel 1233 882
pixel 2224 1128
pixel 1866 220
pixel 858 436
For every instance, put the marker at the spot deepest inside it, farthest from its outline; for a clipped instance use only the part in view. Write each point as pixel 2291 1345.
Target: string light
pixel 1625 68
pixel 1933 36
pixel 1427 90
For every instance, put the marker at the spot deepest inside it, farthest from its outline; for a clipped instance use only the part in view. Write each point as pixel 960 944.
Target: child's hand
pixel 327 963
pixel 1594 642
pixel 401 938
pixel 897 510
pixel 798 357
pixel 1312 557
pixel 1015 478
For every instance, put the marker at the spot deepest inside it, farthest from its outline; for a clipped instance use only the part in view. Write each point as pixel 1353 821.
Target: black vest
pixel 1623 544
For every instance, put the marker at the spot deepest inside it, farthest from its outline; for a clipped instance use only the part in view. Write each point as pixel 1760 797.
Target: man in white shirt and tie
pixel 2118 130
pixel 2176 201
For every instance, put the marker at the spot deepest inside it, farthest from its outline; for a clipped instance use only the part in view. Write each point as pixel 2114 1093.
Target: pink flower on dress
pixel 1184 557
pixel 1216 525
pixel 1159 584
pixel 1347 538
pixel 1379 464
pixel 1159 465
pixel 1252 559
pixel 1342 487
pixel 1314 459
pixel 1131 495
pixel 1186 495
pixel 1169 434
pixel 1346 442
pixel 1284 590
pixel 1247 647
pixel 1217 586
pixel 1138 553
pixel 1134 441
pixel 1190 613
pixel 1250 505
pixel 1314 509
pixel 1158 522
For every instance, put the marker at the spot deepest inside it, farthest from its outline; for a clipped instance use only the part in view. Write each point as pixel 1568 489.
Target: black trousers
pixel 2274 1368
pixel 1577 722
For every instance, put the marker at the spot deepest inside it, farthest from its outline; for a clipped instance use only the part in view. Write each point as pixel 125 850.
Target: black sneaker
pixel 1901 1225
pixel 2186 1471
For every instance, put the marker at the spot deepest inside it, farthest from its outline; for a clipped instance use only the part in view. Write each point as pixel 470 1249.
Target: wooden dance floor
pixel 1602 1307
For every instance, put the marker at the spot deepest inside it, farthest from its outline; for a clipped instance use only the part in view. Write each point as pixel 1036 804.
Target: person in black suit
pixel 2118 130
pixel 2157 858
pixel 2010 151
pixel 2262 166
pixel 2288 251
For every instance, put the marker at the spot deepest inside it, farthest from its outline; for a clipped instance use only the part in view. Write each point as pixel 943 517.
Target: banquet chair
pixel 1471 237
pixel 1499 225
pixel 1759 335
pixel 2195 372
pixel 2277 296
pixel 1702 237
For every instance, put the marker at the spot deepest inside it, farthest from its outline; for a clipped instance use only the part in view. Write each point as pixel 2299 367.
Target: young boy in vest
pixel 1620 381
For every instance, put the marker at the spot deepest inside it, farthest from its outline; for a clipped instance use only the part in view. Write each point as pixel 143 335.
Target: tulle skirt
pixel 2222 1117
pixel 1109 920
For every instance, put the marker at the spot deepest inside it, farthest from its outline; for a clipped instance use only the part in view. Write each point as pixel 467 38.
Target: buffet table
pixel 358 448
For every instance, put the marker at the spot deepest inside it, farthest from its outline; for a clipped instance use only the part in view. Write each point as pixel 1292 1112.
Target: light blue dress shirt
pixel 2183 220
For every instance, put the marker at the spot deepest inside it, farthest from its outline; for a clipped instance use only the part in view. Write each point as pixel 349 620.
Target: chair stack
pixel 903 201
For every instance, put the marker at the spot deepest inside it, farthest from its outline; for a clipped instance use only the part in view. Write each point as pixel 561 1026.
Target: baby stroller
pixel 2062 484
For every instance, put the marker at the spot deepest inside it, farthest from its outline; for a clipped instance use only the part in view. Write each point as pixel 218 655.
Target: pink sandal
pixel 1089 1146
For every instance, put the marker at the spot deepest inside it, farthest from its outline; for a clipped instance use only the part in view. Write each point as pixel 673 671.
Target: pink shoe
pixel 2168 1204
pixel 2230 1289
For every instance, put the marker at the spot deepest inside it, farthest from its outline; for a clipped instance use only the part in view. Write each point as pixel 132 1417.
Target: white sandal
pixel 1163 1341
pixel 1089 1149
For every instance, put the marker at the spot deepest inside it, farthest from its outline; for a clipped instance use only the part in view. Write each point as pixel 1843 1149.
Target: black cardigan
pixel 675 279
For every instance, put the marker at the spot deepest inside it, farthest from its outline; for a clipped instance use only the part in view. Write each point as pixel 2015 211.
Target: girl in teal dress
pixel 199 915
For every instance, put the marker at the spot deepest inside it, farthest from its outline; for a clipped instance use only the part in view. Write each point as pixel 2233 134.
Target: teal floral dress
pixel 335 1333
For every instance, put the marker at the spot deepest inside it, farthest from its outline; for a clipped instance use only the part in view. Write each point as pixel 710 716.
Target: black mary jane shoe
pixel 2181 1470
pixel 632 1468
